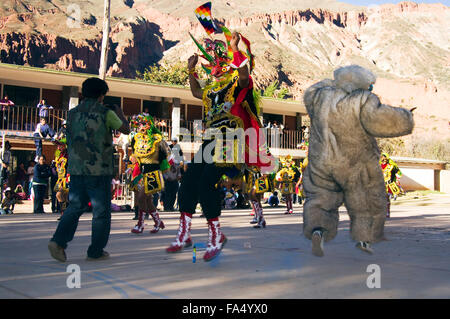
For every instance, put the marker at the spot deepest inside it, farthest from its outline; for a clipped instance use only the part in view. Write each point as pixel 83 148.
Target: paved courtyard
pixel 274 262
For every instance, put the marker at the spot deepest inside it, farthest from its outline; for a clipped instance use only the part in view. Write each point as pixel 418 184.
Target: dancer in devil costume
pixel 229 104
pixel 149 159
pixel 62 184
pixel 286 178
pixel 255 190
pixel 391 172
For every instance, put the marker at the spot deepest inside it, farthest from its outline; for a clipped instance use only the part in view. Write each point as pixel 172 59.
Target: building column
pixel 437 180
pixel 69 97
pixel 176 103
pixel 298 122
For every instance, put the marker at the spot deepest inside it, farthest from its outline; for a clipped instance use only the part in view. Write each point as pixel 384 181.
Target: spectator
pixel 146 111
pixel 5 160
pixel 273 200
pixel 21 175
pixel 91 168
pixel 162 124
pixel 8 202
pixel 53 180
pixel 115 187
pixel 43 109
pixel 41 132
pixel 306 134
pixel 30 173
pixel 241 202
pixel 5 105
pixel 230 199
pixel 176 151
pixel 62 131
pixel 42 172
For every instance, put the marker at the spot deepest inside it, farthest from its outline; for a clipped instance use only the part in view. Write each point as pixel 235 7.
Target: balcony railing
pixel 25 118
pixel 284 139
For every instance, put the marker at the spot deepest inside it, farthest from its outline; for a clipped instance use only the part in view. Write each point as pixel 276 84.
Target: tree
pixel 273 91
pixel 175 74
pixel 270 90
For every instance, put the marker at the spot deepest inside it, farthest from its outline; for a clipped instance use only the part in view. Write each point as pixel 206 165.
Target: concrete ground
pixel 274 262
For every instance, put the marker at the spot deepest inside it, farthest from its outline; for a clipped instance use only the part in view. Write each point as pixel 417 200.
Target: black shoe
pixel 135 218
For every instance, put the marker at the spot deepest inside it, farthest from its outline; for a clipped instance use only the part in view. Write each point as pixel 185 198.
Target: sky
pixel 369 2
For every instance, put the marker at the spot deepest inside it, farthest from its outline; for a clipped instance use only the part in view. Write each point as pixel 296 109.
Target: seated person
pixel 273 200
pixel 241 202
pixel 8 202
pixel 41 132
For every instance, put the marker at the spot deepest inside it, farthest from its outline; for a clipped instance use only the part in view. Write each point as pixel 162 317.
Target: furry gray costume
pixel 344 156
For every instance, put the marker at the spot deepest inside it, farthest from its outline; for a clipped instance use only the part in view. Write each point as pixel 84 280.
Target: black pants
pixel 3 179
pixel 55 204
pixel 170 194
pixel 39 194
pixel 198 185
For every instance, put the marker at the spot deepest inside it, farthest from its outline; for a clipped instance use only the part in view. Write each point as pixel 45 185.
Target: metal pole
pixel 105 40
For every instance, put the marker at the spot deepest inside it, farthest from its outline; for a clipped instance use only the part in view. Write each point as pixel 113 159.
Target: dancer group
pixel 342 165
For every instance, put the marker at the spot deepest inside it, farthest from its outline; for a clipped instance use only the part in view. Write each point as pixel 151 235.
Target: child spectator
pixel 43 109
pixel 273 200
pixel 8 202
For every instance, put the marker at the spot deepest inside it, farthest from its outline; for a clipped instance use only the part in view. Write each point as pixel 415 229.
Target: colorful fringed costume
pixel 230 105
pixel 391 174
pixel 149 160
pixel 286 178
pixel 62 184
pixel 255 187
pixel 299 186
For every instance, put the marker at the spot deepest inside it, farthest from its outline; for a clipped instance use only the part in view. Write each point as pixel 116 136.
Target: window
pixel 111 100
pixel 22 95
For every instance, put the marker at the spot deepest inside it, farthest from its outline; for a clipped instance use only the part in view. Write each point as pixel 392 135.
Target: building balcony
pixel 20 122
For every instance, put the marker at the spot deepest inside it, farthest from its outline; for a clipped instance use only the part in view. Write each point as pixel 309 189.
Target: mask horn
pixel 200 47
pixel 228 37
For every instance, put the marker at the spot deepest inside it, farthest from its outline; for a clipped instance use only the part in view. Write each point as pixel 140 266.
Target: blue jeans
pixel 38 143
pixel 83 188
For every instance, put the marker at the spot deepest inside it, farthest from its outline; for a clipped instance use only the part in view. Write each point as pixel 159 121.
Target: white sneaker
pixel 364 246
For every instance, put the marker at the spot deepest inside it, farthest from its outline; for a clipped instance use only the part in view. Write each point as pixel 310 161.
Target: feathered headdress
pixel 218 53
pixel 137 120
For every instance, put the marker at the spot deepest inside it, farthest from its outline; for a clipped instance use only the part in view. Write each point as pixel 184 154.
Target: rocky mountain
pixel 296 42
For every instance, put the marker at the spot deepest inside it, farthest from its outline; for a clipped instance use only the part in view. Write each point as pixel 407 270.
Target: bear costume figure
pixel 344 157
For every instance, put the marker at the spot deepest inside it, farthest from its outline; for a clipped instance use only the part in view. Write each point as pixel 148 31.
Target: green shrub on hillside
pixel 428 148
